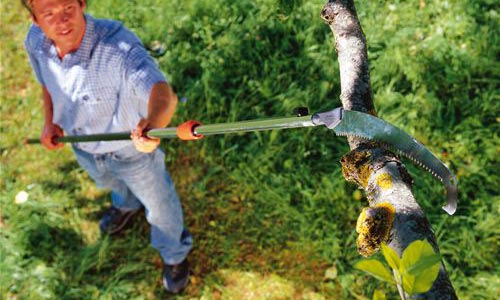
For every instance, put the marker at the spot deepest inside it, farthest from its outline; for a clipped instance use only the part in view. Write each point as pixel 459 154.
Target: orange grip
pixel 185 131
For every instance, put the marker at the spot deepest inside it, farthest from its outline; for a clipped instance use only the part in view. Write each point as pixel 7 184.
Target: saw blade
pixel 362 125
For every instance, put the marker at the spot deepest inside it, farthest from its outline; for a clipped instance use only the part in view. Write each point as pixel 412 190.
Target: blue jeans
pixel 139 179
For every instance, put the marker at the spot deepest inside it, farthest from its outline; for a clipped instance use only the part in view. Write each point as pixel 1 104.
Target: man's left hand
pixel 142 142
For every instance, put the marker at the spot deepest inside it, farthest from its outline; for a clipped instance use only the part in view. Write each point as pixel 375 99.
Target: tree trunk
pixel 394 217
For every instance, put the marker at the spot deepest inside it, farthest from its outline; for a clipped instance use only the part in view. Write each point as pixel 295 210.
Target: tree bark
pixel 394 217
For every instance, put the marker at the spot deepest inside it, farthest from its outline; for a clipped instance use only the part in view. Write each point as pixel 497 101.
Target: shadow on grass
pixel 43 241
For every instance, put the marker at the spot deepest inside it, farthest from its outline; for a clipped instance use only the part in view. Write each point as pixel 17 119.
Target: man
pixel 96 77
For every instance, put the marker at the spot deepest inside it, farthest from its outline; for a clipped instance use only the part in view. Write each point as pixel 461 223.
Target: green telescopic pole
pixel 212 129
pixel 118 136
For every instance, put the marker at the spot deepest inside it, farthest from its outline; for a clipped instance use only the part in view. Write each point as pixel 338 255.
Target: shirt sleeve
pixel 35 66
pixel 141 72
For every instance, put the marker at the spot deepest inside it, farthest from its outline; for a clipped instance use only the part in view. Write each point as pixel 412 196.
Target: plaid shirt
pixel 102 87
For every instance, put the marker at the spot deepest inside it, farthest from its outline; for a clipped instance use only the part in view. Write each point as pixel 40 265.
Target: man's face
pixel 62 21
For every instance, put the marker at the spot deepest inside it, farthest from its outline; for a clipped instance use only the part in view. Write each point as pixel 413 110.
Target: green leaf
pixel 408 283
pixel 413 253
pixel 419 267
pixel 379 295
pixel 391 257
pixel 375 268
pixel 424 264
pixel 424 281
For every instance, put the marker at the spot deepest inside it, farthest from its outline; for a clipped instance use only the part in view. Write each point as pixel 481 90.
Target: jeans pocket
pixel 127 154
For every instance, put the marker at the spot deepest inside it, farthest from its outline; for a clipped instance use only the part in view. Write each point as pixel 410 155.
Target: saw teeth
pixel 356 136
pixel 413 159
pixel 395 150
pixel 400 143
pixel 423 166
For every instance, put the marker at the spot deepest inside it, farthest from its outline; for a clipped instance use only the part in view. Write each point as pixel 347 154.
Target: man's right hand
pixel 50 134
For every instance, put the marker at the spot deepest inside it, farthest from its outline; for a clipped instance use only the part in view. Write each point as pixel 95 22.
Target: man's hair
pixel 29 5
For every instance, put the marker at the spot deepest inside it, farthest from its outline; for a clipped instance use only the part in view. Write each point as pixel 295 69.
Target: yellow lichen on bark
pixel 384 181
pixel 355 167
pixel 374 226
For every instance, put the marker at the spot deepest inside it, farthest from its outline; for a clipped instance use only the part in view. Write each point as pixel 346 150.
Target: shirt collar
pixel 88 40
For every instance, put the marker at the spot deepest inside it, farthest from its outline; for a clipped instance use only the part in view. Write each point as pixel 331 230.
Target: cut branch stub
pixel 374 226
pixel 359 164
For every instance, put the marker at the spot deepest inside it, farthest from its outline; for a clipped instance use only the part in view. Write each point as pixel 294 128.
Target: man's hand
pixel 50 134
pixel 141 142
pixel 161 107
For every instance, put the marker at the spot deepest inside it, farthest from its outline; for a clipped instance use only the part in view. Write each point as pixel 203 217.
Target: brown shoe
pixel 114 220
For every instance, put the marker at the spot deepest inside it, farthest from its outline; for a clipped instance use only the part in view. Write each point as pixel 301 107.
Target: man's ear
pixel 84 4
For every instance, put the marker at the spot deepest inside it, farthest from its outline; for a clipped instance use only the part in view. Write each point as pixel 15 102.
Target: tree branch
pixel 394 217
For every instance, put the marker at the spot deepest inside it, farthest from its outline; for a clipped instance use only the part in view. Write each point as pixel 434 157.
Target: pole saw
pixel 342 122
